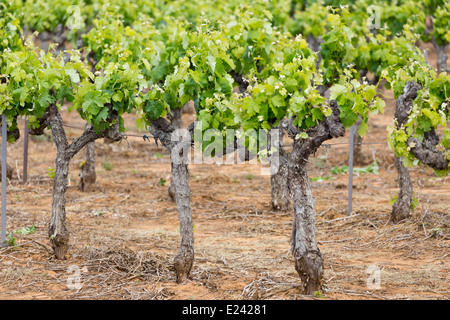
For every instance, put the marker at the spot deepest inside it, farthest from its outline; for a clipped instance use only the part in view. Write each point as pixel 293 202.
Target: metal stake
pixel 25 153
pixel 350 170
pixel 4 145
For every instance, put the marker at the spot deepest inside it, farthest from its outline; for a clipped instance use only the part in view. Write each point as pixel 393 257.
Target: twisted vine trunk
pixel 425 151
pixel 401 209
pixel 308 258
pixel 57 230
pixel 278 181
pixel 179 150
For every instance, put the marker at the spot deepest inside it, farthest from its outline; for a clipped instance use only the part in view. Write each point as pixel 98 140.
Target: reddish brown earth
pixel 124 234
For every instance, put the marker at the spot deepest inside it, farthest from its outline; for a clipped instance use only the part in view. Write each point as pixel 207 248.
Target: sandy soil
pixel 124 234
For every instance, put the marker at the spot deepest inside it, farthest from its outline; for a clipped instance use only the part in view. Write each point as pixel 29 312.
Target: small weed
pixel 320 178
pixel 393 200
pixel 157 155
pixel 436 232
pixel 372 168
pixel 319 294
pixel 107 165
pixel 25 231
pixel 162 181
pixel 249 176
pixel 97 213
pixel 413 205
pixel 51 173
pixel 339 170
pixel 11 240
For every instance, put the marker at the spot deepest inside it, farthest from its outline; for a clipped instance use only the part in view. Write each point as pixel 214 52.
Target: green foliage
pixel 11 240
pixel 51 172
pixel 26 231
pixel 107 165
pixel 320 178
pixel 337 49
pixel 249 176
pixel 441 27
pixel 339 170
pixel 157 155
pixel 162 181
pixel 150 57
pixel 372 168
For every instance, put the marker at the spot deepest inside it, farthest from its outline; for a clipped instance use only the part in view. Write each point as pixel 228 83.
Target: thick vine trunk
pixel 308 259
pixel 184 260
pixel 57 230
pixel 278 181
pixel 425 151
pixel 402 207
pixel 162 130
pixel 88 175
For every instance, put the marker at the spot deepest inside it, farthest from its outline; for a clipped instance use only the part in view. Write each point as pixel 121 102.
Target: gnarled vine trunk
pixel 162 130
pixel 402 206
pixel 308 258
pixel 57 230
pixel 425 151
